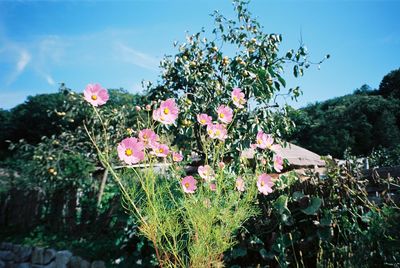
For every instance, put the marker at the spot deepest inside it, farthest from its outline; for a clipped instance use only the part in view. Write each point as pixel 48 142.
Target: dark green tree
pixel 360 122
pixel 390 84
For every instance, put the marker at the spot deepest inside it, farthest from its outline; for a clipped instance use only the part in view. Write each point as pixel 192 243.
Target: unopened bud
pixel 221 165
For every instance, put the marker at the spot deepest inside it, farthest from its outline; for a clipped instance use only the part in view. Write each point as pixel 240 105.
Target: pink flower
pixel 213 187
pixel 95 94
pixel 167 113
pixel 238 97
pixel 160 150
pixel 206 172
pixel 248 153
pixel 177 157
pixel 148 137
pixel 278 163
pixel 264 141
pixel 225 114
pixel 240 184
pixel 265 183
pixel 189 184
pixel 130 150
pixel 221 165
pixel 217 131
pixel 204 119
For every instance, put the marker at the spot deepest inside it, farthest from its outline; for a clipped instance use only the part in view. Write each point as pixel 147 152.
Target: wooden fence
pixel 66 209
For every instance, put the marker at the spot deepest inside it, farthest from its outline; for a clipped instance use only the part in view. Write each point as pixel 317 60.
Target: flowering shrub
pixel 190 218
pixel 218 112
pixel 234 77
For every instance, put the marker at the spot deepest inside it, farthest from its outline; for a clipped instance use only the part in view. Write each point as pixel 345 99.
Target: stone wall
pixel 17 256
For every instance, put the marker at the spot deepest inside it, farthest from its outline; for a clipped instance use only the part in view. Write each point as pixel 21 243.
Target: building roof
pixel 300 157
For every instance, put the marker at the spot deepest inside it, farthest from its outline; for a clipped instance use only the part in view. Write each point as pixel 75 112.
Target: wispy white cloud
pixel 40 61
pixel 50 80
pixel 133 56
pixel 23 58
pixel 46 76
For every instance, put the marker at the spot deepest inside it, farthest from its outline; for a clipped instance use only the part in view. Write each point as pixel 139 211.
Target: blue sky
pixel 119 43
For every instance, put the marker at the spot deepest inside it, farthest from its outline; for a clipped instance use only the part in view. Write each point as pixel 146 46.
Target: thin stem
pixel 107 165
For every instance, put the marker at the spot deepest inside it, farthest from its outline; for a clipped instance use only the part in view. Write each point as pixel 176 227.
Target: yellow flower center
pixel 94 97
pixel 160 150
pixel 203 121
pixel 259 141
pixel 235 99
pixel 187 185
pixel 210 132
pixel 128 152
pixel 221 115
pixel 262 183
pixel 217 132
pixel 166 111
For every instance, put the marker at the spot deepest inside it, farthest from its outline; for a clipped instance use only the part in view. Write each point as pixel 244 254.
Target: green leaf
pixel 239 252
pixel 314 206
pixel 325 234
pixel 326 220
pixel 266 255
pixel 281 203
pixel 297 196
pixel 282 81
pixel 296 71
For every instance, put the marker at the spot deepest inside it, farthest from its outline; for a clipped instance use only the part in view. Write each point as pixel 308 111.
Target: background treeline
pixel 44 115
pixel 363 122
pixel 77 209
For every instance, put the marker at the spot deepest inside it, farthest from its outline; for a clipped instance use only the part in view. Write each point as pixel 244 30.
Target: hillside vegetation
pixel 362 122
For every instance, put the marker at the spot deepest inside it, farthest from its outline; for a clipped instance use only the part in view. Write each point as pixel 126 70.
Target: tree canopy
pixel 390 84
pixel 361 122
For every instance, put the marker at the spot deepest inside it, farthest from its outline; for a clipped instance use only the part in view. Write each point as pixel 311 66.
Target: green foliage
pixel 32 119
pixel 361 122
pixel 195 230
pixel 192 230
pixel 204 71
pixel 384 157
pixel 62 165
pixel 390 85
pixel 325 221
pixel 5 131
pixel 328 221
